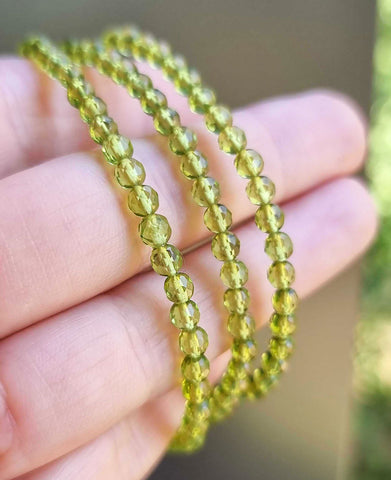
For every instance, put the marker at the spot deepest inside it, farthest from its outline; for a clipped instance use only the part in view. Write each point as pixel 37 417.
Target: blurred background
pixel 319 424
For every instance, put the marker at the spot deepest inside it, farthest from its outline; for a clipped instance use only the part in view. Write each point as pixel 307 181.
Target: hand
pixel 88 379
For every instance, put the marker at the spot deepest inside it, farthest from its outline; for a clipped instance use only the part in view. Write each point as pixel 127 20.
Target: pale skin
pixel 88 359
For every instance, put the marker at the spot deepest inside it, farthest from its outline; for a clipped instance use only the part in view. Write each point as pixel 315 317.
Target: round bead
pixel 157 53
pixel 102 127
pixel 281 348
pixel 185 315
pixel 205 191
pixel 238 369
pixel 179 288
pixel 244 350
pixel 271 365
pixel 196 392
pixel 143 200
pixel 195 369
pixel 116 147
pixel 67 74
pixel 234 274
pixel 172 65
pixel 78 90
pixel 278 246
pixel 260 190
pixel 248 163
pixel 225 246
pixel 152 100
pixel 182 140
pixel 138 84
pixel 269 218
pixel 193 342
pixel 263 383
pixel 123 71
pixel 129 172
pixel 91 107
pixel 201 99
pixel 166 260
pixel 241 325
pixel 165 120
pixel 236 300
pixel 154 230
pixel 281 274
pixel 232 140
pixel 218 118
pixel 194 164
pixel 282 325
pixel 217 218
pixel 185 80
pixel 285 301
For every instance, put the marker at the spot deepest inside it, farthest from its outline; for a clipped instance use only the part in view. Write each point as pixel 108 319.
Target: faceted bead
pixel 282 325
pixel 205 191
pixel 196 392
pixel 172 65
pixel 278 246
pixel 123 71
pixel 157 53
pixel 195 369
pixel 179 288
pixel 166 260
pixel 185 80
pixel 269 218
pixel 102 127
pixel 225 246
pixel 153 100
pixel 116 147
pixel 281 348
pixel 185 315
pixel 129 172
pixel 234 274
pixel 91 107
pixel 193 342
pixel 194 164
pixel 141 45
pixel 236 300
pixel 182 140
pixel 241 326
pixel 263 382
pixel 232 140
pixel 217 218
pixel 201 99
pixel 248 163
pixel 229 386
pixel 197 414
pixel 260 190
pixel 154 230
pixel 165 120
pixel 238 369
pixel 143 200
pixel 285 301
pixel 138 84
pixel 67 74
pixel 218 118
pixel 271 365
pixel 281 274
pixel 244 350
pixel 78 90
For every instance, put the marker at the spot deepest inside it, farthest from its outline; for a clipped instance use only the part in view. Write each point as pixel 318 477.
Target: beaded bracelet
pixel 203 404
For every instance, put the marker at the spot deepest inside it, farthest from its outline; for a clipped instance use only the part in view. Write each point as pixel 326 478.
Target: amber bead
pixel 269 218
pixel 232 140
pixel 91 107
pixel 281 274
pixel 154 230
pixel 193 342
pixel 185 315
pixel 281 348
pixel 195 369
pixel 236 300
pixel 116 147
pixel 179 288
pixel 165 120
pixel 248 163
pixel 282 325
pixel 234 274
pixel 166 260
pixel 278 246
pixel 241 325
pixel 129 172
pixel 194 164
pixel 182 140
pixel 205 191
pixel 217 218
pixel 152 100
pixel 102 127
pixel 285 301
pixel 218 118
pixel 201 99
pixel 143 200
pixel 260 190
pixel 225 246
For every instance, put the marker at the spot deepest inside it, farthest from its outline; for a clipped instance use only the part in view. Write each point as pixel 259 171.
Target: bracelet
pixel 114 57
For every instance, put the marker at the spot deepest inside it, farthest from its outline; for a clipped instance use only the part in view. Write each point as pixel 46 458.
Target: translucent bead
pixel 67 74
pixel 241 326
pixel 172 65
pixel 121 74
pixel 165 120
pixel 269 218
pixel 157 53
pixel 217 218
pixel 116 147
pixel 260 190
pixel 201 99
pixel 152 100
pixel 182 140
pixel 102 127
pixel 91 107
pixel 218 118
pixel 263 382
pixel 195 369
pixel 185 315
pixel 285 301
pixel 244 350
pixel 232 140
pixel 142 44
pixel 194 164
pixel 225 246
pixel 281 274
pixel 129 172
pixel 154 230
pixel 234 274
pixel 143 200
pixel 238 369
pixel 196 392
pixel 185 80
pixel 198 415
pixel 179 288
pixel 248 163
pixel 282 325
pixel 278 246
pixel 78 90
pixel 281 348
pixel 271 365
pixel 138 84
pixel 193 342
pixel 230 388
pixel 236 300
pixel 205 191
pixel 166 260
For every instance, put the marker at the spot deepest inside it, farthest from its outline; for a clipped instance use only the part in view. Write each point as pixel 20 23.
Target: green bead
pixel 141 45
pixel 218 118
pixel 271 365
pixel 143 200
pixel 129 172
pixel 281 274
pixel 241 326
pixel 154 230
pixel 269 218
pixel 182 140
pixel 116 147
pixel 193 342
pixel 166 260
pixel 234 274
pixel 165 120
pixel 138 84
pixel 225 246
pixel 285 301
pixel 281 348
pixel 232 140
pixel 195 369
pixel 102 127
pixel 194 164
pixel 78 90
pixel 196 392
pixel 197 415
pixel 201 99
pixel 157 53
pixel 278 246
pixel 153 100
pixel 91 107
pixel 66 74
pixel 263 382
pixel 239 370
pixel 217 218
pixel 236 300
pixel 179 288
pixel 121 74
pixel 244 350
pixel 205 191
pixel 282 325
pixel 172 65
pixel 185 80
pixel 185 315
pixel 260 190
pixel 248 163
